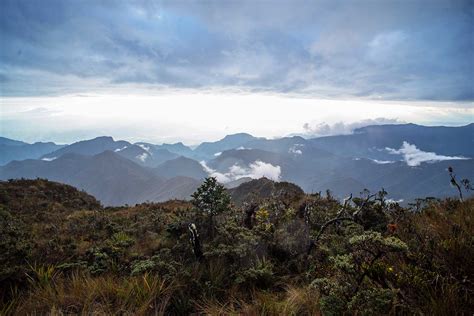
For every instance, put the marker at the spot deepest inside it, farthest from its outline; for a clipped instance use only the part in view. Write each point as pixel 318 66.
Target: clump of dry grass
pixel 292 301
pixel 439 273
pixel 82 294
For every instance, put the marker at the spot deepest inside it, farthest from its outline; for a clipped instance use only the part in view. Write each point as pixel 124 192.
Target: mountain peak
pixel 103 138
pixel 180 144
pixel 264 188
pixel 238 136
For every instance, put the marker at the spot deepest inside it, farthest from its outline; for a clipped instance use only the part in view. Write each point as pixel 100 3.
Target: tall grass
pixel 292 301
pixel 80 293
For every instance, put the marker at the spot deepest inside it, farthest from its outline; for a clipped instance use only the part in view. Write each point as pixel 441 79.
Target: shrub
pixel 211 199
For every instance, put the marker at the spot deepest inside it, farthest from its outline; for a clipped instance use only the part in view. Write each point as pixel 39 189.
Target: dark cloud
pixel 415 50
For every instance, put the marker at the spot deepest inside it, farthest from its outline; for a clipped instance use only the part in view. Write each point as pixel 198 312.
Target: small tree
pixel 211 198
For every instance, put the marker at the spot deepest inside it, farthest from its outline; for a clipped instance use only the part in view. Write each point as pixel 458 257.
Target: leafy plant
pixel 211 198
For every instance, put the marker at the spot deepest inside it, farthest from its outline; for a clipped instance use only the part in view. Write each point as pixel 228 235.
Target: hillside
pixel 209 149
pixel 277 254
pixel 265 189
pixel 114 180
pixel 146 156
pixel 30 197
pixel 181 166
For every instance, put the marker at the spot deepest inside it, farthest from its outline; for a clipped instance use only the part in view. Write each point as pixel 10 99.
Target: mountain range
pixel 407 160
pixel 16 150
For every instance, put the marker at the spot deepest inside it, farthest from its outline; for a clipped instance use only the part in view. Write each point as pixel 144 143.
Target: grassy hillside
pixel 279 252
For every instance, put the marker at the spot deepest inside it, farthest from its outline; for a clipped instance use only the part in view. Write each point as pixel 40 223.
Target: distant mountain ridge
pixel 113 179
pixel 11 142
pixel 89 147
pixel 146 155
pixel 408 160
pixel 181 166
pixel 210 149
pixel 16 150
pixel 370 141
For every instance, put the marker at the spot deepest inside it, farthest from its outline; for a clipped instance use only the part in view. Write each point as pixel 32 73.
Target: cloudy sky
pixel 195 70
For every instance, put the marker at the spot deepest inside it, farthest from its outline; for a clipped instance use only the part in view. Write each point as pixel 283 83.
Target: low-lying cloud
pixel 142 157
pixel 414 156
pixel 342 128
pixel 382 162
pixel 296 149
pixel 256 170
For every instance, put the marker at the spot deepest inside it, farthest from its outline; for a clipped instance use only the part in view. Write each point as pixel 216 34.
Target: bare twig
pixel 339 218
pixel 455 183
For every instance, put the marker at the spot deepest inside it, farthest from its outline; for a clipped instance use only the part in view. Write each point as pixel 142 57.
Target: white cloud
pixel 120 149
pixel 260 169
pixel 414 156
pixel 255 170
pixel 295 149
pixel 343 128
pixel 222 178
pixel 144 147
pixel 142 157
pixel 49 159
pixel 382 162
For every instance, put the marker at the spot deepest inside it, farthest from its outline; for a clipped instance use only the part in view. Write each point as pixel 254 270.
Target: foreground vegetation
pixel 282 253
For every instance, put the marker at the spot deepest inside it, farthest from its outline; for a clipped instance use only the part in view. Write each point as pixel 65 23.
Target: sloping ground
pixel 264 188
pixel 139 260
pixel 112 179
pixel 32 196
pixel 175 188
pixel 181 166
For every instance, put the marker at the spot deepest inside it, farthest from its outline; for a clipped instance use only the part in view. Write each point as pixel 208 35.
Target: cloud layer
pixel 414 156
pixel 255 170
pixel 342 128
pixel 369 49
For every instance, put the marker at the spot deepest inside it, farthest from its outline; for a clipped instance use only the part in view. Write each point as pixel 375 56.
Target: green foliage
pixel 86 259
pixel 372 301
pixel 260 275
pixel 374 242
pixel 142 266
pixel 233 242
pixel 162 264
pixel 358 276
pixel 42 276
pixel 333 300
pixel 211 197
pixel 122 240
pixel 100 261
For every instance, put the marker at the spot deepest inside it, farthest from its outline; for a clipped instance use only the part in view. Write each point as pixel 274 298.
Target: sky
pixel 166 71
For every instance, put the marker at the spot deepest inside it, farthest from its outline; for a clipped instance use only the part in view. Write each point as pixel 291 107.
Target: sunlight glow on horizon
pixel 197 117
